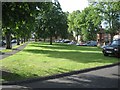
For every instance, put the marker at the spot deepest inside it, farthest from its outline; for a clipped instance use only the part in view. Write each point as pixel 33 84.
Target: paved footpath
pixel 102 78
pixel 6 54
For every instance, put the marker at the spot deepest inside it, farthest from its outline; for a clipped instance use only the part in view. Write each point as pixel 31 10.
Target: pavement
pixel 102 78
pixel 7 54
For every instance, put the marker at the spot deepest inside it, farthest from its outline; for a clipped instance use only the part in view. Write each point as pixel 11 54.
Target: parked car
pixel 71 43
pixel 80 44
pixel 66 41
pixel 90 43
pixel 63 41
pixel 2 43
pixel 14 41
pixel 112 49
pixel 59 41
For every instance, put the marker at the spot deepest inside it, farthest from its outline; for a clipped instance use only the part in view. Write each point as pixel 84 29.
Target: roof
pixel 116 37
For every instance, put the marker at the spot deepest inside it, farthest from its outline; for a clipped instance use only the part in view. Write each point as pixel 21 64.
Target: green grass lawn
pixel 42 59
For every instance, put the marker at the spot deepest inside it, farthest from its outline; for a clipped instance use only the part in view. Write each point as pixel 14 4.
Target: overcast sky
pixel 71 5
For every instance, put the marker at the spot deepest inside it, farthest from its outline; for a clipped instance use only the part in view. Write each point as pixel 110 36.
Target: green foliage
pixel 110 12
pixel 73 20
pixel 18 19
pixel 85 23
pixel 91 18
pixel 52 22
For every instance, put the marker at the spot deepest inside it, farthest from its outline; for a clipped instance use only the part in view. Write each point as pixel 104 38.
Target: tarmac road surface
pixel 102 78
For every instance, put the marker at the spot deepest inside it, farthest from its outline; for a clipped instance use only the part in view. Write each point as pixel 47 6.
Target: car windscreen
pixel 116 42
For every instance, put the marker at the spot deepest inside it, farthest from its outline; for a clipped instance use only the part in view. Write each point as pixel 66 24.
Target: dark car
pixel 14 41
pixel 2 43
pixel 112 49
pixel 66 41
pixel 58 41
pixel 71 43
pixel 91 43
pixel 81 44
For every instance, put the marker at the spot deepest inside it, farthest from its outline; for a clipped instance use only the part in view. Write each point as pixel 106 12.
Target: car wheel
pixel 117 55
pixel 105 54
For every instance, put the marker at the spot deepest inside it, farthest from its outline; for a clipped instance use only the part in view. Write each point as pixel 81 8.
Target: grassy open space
pixel 41 59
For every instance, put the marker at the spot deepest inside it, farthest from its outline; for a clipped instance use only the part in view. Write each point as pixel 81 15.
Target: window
pixel 116 42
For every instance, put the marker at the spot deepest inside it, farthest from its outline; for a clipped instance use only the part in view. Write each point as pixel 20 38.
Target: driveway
pixel 102 78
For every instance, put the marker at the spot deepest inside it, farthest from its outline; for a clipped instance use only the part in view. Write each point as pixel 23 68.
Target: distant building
pixel 76 37
pixel 117 36
pixel 102 37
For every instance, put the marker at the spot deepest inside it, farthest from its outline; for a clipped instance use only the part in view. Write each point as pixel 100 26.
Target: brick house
pixel 102 37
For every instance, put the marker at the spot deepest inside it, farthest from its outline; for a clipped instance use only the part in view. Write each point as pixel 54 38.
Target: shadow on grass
pixel 7 76
pixel 81 57
pixel 64 46
pixel 82 54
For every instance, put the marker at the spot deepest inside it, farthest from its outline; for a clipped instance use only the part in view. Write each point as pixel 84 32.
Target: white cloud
pixel 71 5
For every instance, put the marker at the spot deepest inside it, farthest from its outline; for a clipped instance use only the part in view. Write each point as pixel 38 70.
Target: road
pixel 102 78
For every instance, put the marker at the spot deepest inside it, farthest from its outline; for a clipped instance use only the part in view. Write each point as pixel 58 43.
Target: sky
pixel 71 5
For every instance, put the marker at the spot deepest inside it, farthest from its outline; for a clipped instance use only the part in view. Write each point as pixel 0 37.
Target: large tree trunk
pixel 18 41
pixel 77 38
pixel 24 40
pixel 21 41
pixel 8 40
pixel 112 35
pixel 44 39
pixel 81 38
pixel 50 40
pixel 100 40
pixel 56 37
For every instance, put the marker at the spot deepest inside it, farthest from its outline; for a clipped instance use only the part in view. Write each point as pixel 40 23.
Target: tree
pixel 110 12
pixel 53 22
pixel 14 16
pixel 73 24
pixel 61 29
pixel 91 22
pixel 85 23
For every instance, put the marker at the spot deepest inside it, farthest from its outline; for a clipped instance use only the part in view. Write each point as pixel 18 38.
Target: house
pixel 117 36
pixel 102 37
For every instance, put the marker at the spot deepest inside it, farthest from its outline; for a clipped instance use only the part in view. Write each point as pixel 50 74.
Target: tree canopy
pixel 47 20
pixel 110 12
pixel 21 20
pixel 88 21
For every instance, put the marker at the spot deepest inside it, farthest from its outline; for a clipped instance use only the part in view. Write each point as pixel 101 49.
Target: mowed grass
pixel 41 59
